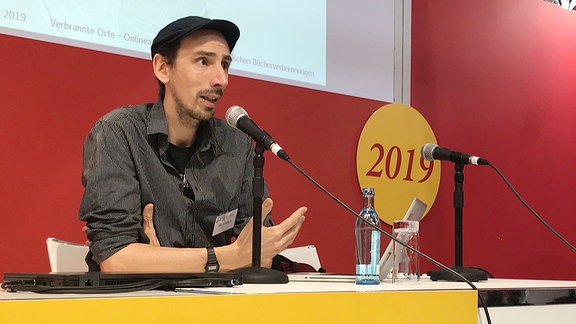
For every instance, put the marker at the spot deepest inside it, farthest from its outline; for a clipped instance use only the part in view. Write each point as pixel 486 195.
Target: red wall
pixel 496 78
pixel 492 78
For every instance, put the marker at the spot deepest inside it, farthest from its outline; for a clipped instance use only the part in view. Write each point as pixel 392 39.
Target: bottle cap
pixel 368 191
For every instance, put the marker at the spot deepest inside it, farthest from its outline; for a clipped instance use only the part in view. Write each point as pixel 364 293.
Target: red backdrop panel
pixel 496 79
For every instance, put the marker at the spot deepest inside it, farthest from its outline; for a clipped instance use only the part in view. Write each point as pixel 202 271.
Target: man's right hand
pixel 148 224
pixel 85 230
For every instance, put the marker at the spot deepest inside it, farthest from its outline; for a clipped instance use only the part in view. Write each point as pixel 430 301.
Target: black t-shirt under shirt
pixel 179 157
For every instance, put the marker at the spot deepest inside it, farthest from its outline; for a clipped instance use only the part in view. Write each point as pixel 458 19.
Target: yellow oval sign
pixel 388 159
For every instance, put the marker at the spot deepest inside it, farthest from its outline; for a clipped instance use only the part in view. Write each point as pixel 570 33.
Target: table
pixel 303 302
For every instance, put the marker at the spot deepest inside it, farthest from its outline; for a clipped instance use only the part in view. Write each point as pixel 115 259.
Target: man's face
pixel 198 77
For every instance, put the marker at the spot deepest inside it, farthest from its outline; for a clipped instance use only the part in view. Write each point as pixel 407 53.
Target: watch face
pixel 212 268
pixel 212 262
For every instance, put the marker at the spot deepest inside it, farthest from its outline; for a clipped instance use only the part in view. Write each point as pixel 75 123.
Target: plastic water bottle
pixel 367 242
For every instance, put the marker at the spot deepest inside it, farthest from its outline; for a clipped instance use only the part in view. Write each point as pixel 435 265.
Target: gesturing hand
pixel 275 239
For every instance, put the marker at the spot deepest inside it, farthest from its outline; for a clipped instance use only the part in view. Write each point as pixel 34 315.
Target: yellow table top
pixel 295 302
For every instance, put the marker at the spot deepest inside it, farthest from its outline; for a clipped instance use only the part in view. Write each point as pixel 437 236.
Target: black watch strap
pixel 212 264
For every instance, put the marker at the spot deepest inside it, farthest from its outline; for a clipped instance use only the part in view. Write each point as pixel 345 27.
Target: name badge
pixel 224 222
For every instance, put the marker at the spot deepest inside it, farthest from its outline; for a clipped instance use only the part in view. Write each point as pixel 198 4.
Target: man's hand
pixel 275 239
pixel 148 224
pixel 85 230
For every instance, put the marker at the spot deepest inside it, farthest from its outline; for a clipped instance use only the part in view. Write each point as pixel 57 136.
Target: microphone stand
pixel 472 274
pixel 458 206
pixel 255 273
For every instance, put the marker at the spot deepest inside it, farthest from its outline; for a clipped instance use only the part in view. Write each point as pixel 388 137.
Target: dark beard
pixel 189 117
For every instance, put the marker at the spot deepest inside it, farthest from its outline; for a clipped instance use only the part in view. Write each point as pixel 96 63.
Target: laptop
pixel 414 212
pixel 102 282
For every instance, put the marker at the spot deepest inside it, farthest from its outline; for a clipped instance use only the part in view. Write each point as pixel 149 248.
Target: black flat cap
pixel 177 30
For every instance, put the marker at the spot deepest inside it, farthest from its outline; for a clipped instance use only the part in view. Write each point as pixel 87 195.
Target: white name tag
pixel 224 222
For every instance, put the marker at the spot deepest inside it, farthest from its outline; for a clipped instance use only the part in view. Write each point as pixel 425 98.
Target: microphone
pixel 238 118
pixel 431 152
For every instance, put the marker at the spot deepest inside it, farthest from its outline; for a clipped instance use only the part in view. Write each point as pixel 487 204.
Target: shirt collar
pixel 157 122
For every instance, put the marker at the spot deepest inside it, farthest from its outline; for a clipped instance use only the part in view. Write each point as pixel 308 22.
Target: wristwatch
pixel 212 264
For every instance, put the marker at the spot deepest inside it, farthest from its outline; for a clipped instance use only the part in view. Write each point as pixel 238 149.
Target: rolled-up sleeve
pixel 111 204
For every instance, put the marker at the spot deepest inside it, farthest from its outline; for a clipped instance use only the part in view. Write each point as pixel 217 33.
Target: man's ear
pixel 161 68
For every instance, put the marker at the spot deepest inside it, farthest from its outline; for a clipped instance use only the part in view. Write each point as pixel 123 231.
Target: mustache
pixel 217 91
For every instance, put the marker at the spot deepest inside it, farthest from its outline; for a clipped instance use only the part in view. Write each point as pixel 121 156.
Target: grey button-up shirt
pixel 125 167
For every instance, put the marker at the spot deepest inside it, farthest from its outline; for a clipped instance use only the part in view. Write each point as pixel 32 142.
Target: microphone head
pixel 427 150
pixel 233 114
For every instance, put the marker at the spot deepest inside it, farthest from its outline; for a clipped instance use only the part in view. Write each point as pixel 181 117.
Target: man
pixel 167 185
